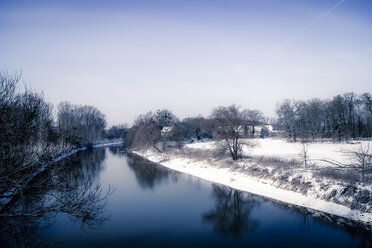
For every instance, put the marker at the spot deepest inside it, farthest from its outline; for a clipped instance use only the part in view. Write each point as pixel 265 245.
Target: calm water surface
pixel 155 207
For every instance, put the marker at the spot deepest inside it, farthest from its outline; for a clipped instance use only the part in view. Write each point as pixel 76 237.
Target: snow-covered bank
pixel 299 187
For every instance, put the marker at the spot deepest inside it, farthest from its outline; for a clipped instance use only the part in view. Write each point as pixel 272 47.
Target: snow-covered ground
pixel 280 148
pixel 294 185
pixel 316 151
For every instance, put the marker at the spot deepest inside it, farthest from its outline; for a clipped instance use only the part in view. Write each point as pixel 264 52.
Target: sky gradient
pixel 129 57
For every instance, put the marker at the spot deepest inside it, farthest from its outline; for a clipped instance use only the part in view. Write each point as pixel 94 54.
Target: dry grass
pixel 196 154
pixel 277 163
pixel 347 176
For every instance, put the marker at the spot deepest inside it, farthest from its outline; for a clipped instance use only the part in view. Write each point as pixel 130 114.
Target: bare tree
pixel 315 118
pixel 146 130
pixel 148 135
pixel 287 118
pixel 80 125
pixel 229 128
pixel 367 101
pixel 25 148
pixel 304 152
pixel 31 185
pixel 144 133
pixel 358 159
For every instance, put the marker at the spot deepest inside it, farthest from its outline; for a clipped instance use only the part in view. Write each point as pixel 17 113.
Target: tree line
pixel 225 124
pixel 343 117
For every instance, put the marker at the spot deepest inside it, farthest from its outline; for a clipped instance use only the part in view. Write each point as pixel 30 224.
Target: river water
pixel 148 205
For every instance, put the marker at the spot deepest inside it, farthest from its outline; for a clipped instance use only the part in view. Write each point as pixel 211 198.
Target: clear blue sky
pixel 128 57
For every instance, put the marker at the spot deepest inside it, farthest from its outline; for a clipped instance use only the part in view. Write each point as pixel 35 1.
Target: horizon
pixel 131 57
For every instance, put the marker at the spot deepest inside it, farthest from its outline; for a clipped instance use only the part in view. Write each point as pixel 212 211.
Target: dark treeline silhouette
pixel 116 132
pixel 79 125
pixel 30 141
pixel 341 118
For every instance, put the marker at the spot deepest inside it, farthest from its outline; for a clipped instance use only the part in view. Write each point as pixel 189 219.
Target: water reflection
pixel 71 187
pixel 118 150
pixel 232 213
pixel 170 215
pixel 86 167
pixel 307 219
pixel 147 173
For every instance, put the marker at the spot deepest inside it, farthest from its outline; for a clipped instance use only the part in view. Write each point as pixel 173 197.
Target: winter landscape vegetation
pixel 200 162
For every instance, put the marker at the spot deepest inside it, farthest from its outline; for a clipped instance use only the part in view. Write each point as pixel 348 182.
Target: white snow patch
pixel 96 145
pixel 205 145
pixel 271 147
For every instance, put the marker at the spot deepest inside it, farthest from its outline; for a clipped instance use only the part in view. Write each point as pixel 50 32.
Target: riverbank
pixel 285 181
pixel 95 145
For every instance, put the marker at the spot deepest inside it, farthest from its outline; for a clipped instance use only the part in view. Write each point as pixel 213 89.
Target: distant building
pixel 166 130
pixel 261 131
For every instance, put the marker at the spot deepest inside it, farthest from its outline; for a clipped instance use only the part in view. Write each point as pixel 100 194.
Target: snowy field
pixel 282 149
pixel 293 184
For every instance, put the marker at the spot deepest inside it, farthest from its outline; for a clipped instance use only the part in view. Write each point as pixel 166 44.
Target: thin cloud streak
pixel 302 30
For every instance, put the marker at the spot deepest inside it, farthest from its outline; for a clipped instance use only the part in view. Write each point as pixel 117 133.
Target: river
pixel 148 205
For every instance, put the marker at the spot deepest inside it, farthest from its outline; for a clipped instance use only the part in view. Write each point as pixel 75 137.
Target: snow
pixel 283 149
pixel 95 145
pixel 208 145
pixel 108 143
pixel 271 147
pixel 212 170
pixel 68 153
